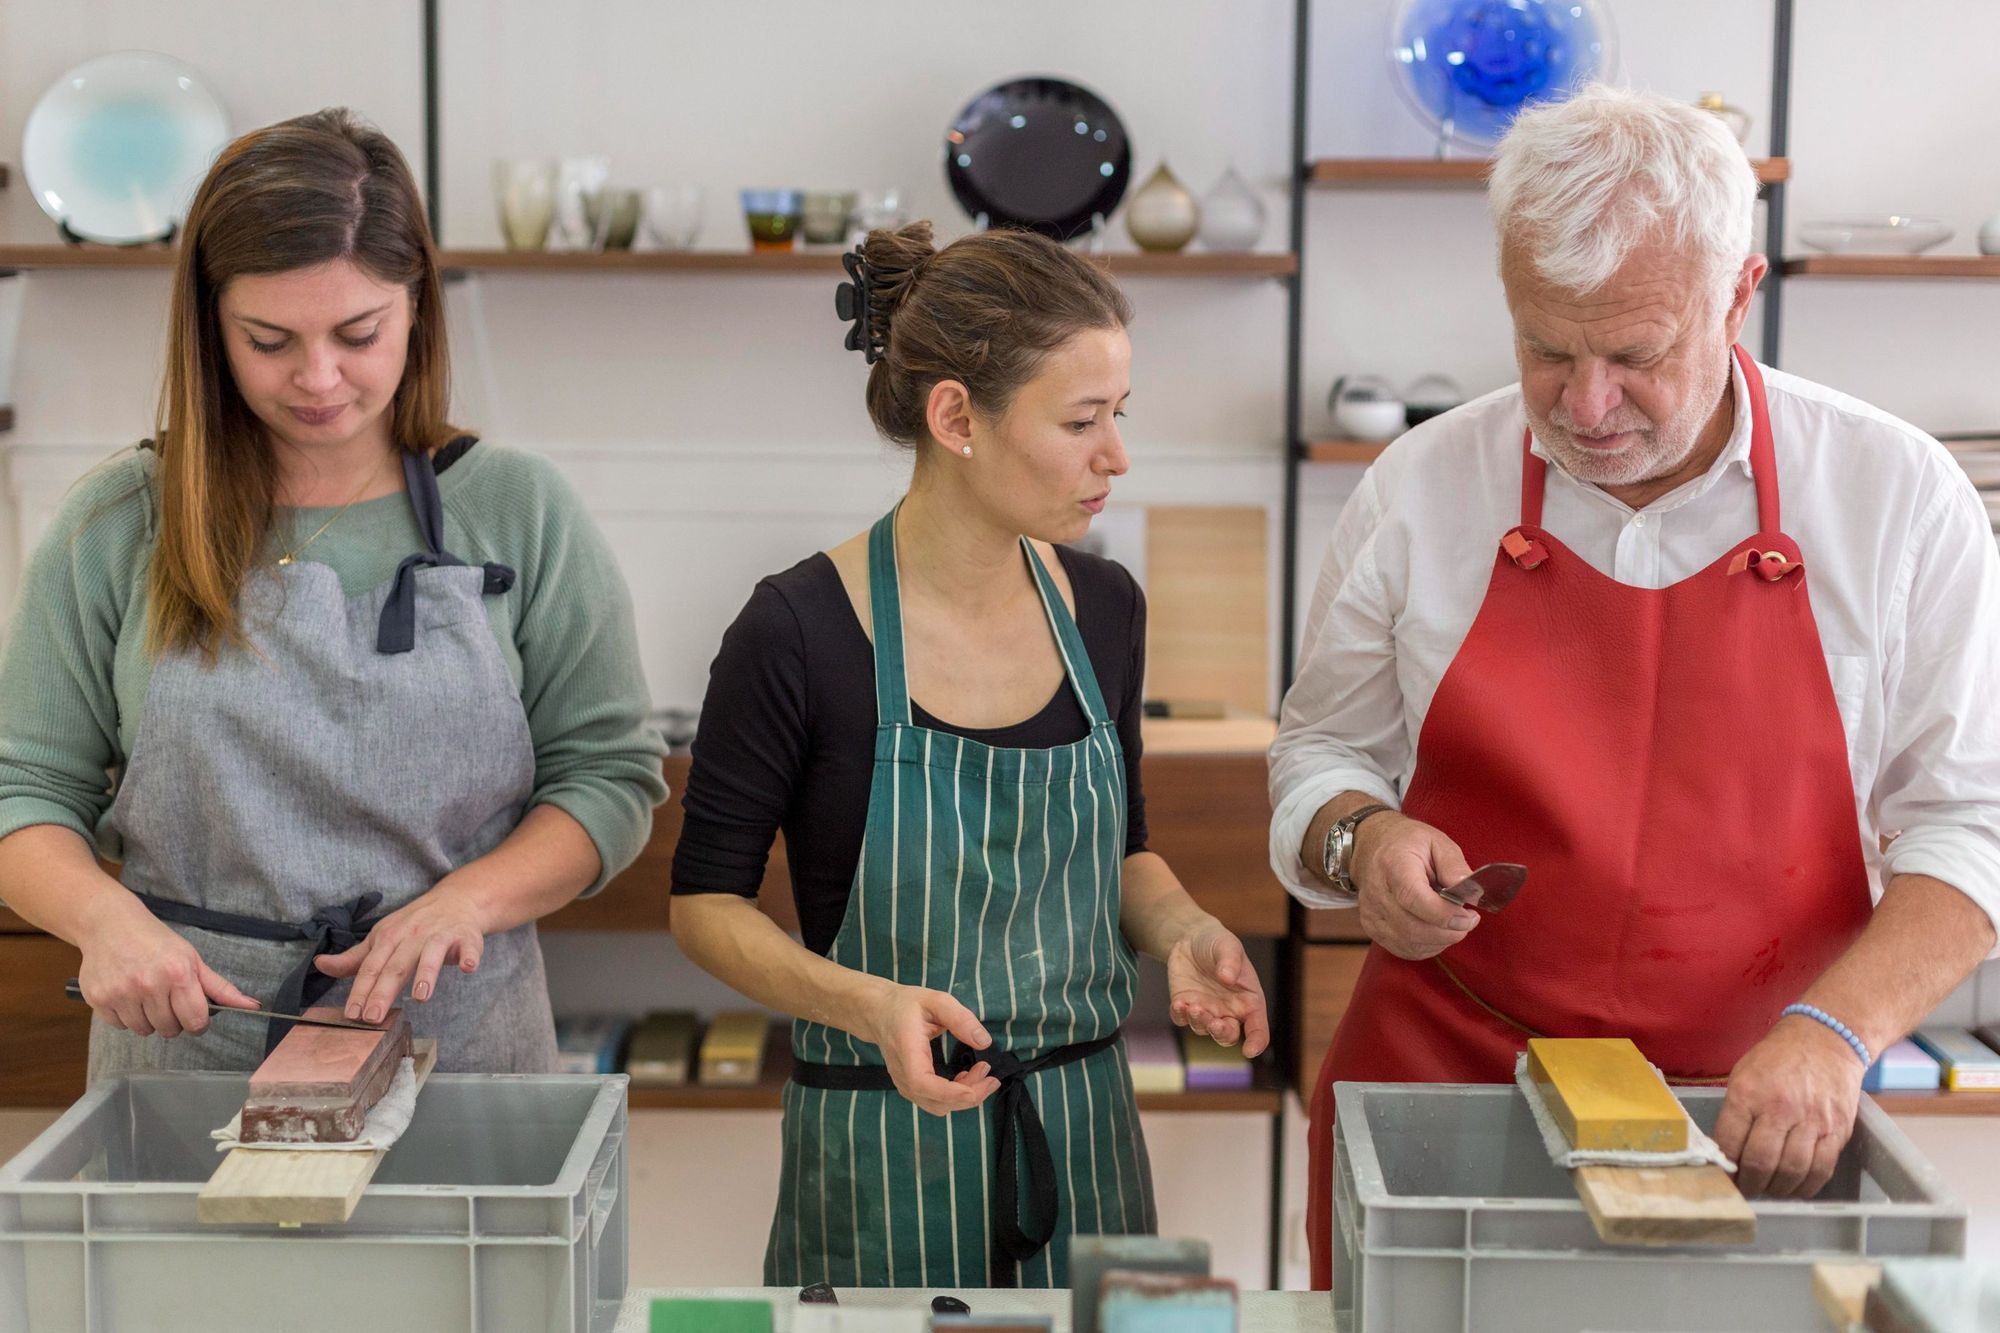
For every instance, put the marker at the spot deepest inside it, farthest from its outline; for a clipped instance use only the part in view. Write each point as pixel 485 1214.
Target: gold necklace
pixel 293 554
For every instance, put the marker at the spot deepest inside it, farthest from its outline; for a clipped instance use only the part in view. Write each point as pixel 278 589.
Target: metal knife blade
pixel 74 990
pixel 1489 888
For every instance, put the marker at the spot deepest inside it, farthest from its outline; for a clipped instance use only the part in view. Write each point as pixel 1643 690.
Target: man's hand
pixel 1790 1109
pixel 1398 862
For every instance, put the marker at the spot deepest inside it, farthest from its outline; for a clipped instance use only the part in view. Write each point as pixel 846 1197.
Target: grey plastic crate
pixel 1449 1215
pixel 502 1208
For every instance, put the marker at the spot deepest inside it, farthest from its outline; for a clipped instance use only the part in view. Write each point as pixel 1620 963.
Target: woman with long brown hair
pixel 942 715
pixel 353 698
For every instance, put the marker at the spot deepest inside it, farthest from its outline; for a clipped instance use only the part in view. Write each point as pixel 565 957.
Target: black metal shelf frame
pixel 1773 288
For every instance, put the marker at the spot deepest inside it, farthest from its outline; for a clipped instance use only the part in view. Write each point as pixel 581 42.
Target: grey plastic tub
pixel 502 1208
pixel 1449 1215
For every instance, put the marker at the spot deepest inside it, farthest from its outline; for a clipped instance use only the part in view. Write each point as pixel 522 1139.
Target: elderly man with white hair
pixel 1725 686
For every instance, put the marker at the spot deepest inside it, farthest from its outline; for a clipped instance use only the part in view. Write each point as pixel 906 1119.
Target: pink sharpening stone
pixel 318 1084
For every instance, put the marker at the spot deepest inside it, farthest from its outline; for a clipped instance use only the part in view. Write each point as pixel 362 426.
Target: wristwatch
pixel 1337 856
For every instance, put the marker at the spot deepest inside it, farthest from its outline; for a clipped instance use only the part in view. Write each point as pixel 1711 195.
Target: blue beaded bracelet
pixel 1813 1011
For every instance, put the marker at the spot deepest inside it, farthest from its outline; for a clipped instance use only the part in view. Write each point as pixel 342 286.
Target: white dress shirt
pixel 1901 566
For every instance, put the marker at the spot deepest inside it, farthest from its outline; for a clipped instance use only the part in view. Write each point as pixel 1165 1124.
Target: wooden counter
pixel 1206 811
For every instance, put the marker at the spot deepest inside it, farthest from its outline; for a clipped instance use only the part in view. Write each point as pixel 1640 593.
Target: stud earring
pixel 967 451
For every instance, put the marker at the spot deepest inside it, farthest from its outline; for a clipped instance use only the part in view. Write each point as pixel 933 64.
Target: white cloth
pixel 1900 562
pixel 1701 1150
pixel 387 1119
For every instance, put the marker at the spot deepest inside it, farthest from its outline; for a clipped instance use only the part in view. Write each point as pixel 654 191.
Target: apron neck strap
pixel 885 604
pixel 396 631
pixel 1069 641
pixel 1763 457
pixel 421 481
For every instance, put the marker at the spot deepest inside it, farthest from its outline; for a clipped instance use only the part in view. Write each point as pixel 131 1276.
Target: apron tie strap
pixel 397 630
pixel 333 929
pixel 1015 1115
pixel 1017 1134
pixel 1770 565
pixel 1524 550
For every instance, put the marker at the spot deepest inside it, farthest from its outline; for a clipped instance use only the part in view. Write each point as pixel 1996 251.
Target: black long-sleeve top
pixel 787 733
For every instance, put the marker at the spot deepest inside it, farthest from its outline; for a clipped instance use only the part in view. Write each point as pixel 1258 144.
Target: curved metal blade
pixel 1489 888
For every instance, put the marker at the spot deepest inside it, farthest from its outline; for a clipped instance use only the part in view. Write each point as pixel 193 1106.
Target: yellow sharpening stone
pixel 732 1054
pixel 1605 1096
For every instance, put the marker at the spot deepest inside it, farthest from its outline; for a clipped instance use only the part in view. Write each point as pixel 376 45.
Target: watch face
pixel 1337 839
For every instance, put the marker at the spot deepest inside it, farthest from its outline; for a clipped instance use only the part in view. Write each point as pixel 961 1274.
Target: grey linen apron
pixel 362 749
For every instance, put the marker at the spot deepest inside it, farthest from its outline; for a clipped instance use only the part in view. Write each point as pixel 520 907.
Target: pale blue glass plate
pixel 114 150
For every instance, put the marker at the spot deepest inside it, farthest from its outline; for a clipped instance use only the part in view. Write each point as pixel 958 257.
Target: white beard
pixel 1655 450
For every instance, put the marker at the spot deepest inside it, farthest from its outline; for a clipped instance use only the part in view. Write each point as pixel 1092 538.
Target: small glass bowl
pixel 1893 235
pixel 773 217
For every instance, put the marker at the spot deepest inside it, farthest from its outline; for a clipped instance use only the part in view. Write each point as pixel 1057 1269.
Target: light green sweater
pixel 74 670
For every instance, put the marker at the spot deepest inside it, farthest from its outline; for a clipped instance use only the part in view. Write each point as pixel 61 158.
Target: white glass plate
pixel 1895 235
pixel 116 147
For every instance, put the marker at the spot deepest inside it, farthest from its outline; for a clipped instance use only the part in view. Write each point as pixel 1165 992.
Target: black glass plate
pixel 1038 153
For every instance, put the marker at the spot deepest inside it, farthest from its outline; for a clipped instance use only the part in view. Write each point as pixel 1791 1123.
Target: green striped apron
pixel 991 874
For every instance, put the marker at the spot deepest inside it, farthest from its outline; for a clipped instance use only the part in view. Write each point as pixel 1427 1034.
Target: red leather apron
pixel 1671 766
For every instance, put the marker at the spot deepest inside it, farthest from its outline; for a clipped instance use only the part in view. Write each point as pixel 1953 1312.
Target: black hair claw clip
pixel 851 303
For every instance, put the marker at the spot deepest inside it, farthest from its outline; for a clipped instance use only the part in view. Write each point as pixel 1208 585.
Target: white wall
pixel 718 424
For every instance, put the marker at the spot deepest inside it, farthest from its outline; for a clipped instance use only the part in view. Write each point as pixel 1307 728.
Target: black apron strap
pixel 397 630
pixel 333 929
pixel 1018 1138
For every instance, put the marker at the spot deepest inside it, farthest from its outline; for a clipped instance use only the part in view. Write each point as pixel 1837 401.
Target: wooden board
pixel 1842 1291
pixel 281 1188
pixel 1207 622
pixel 1665 1205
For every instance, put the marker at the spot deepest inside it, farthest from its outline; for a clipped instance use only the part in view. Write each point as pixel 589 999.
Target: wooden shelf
pixel 1461 173
pixel 29 258
pixel 1894 266
pixel 1222 735
pixel 1182 265
pixel 1938 1103
pixel 1342 451
pixel 32 258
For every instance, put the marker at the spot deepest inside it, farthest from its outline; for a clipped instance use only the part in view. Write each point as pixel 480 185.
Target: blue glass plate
pixel 115 149
pixel 1467 67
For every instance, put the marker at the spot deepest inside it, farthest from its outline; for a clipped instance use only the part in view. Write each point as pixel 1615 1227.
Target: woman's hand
pixel 904 1021
pixel 415 941
pixel 1214 989
pixel 141 976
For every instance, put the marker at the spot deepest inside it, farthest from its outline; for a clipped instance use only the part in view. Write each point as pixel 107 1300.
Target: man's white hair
pixel 1582 183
